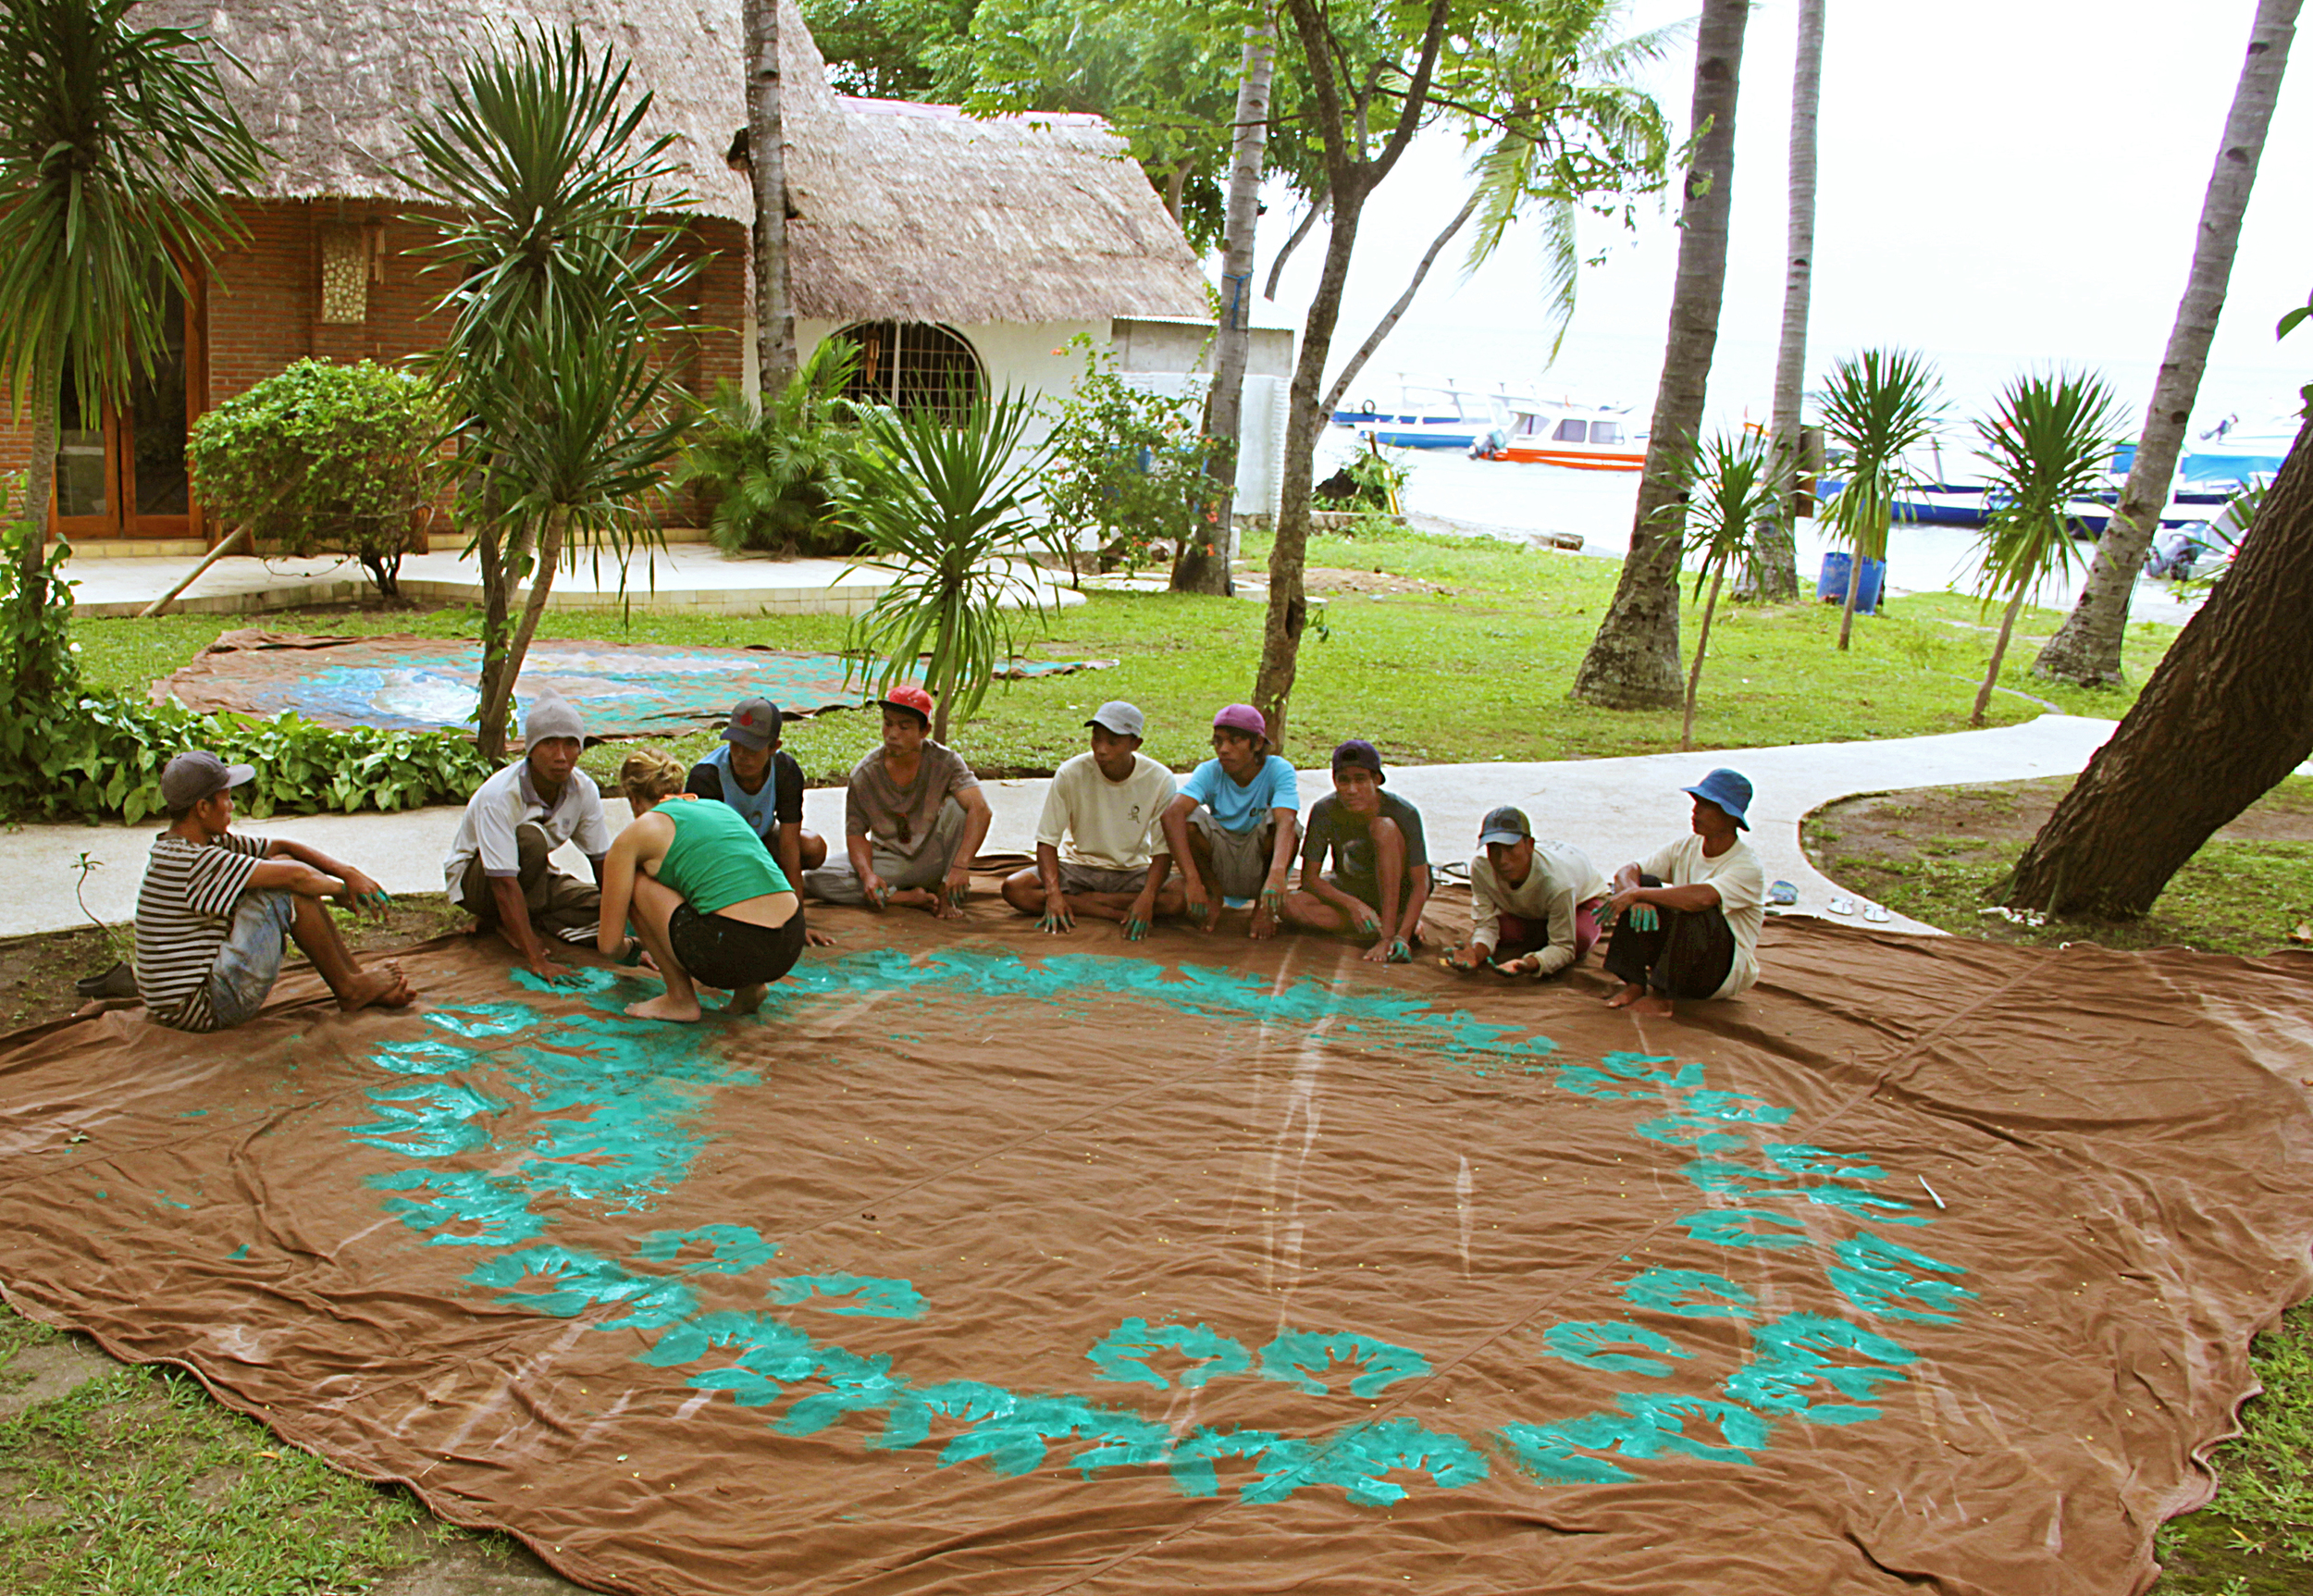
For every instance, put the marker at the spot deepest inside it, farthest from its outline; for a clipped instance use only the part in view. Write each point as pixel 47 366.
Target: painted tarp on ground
pixel 985 1262
pixel 427 684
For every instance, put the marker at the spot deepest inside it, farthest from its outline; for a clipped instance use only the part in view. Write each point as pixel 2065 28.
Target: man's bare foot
pixel 664 1008
pixel 1653 1007
pixel 748 999
pixel 1629 995
pixel 916 897
pixel 384 987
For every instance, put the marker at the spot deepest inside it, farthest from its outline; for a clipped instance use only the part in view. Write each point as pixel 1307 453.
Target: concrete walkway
pixel 1614 810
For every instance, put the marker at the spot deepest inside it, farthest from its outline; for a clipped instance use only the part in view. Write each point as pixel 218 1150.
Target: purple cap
pixel 1359 754
pixel 1242 718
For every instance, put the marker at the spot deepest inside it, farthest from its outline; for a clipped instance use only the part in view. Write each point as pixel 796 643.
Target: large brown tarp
pixel 988 1263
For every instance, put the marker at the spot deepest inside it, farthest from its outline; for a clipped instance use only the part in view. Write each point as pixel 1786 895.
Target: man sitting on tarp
pixel 1534 904
pixel 498 868
pixel 1232 830
pixel 217 909
pixel 1380 876
pixel 1687 917
pixel 913 819
pixel 749 772
pixel 1100 840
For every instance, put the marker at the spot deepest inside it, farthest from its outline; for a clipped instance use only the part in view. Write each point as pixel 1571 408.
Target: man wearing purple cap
pixel 749 772
pixel 1231 830
pixel 218 908
pixel 1100 840
pixel 1687 917
pixel 1380 876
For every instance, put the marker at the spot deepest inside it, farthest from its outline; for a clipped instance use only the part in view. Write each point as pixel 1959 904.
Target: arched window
pixel 913 365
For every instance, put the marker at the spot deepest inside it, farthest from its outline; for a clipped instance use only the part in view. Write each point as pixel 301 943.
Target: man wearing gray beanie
pixel 499 870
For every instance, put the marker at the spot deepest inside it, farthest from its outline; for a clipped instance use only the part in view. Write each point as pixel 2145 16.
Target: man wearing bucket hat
pixel 218 906
pixel 749 772
pixel 1100 840
pixel 1232 830
pixel 913 819
pixel 1687 917
pixel 499 868
pixel 1380 876
pixel 1534 903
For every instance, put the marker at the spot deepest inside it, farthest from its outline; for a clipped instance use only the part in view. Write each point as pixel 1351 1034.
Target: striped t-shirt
pixel 184 913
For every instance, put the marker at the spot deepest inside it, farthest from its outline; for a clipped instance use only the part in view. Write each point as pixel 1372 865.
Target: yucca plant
pixel 942 505
pixel 2045 445
pixel 1876 405
pixel 1732 496
pixel 773 467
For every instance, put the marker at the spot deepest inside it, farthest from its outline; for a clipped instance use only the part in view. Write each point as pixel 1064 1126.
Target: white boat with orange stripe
pixel 1562 432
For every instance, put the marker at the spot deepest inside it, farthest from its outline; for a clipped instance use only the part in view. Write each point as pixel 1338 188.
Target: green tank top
pixel 715 859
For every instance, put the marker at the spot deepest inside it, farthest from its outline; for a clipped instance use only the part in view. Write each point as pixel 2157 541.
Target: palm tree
pixel 1775 566
pixel 1877 405
pixel 2086 648
pixel 1633 661
pixel 563 248
pixel 1733 492
pixel 767 170
pixel 117 149
pixel 2042 447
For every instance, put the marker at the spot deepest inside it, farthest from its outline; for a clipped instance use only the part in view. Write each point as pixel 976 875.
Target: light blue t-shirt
pixel 1242 808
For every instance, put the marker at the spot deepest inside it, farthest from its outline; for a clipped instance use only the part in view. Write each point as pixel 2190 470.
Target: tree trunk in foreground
pixel 776 358
pixel 46 401
pixel 1203 564
pixel 2086 648
pixel 498 557
pixel 1633 663
pixel 2227 714
pixel 1774 567
pixel 1703 647
pixel 1999 655
pixel 498 709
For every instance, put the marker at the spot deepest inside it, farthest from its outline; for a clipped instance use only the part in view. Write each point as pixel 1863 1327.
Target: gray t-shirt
pixel 899 819
pixel 1332 828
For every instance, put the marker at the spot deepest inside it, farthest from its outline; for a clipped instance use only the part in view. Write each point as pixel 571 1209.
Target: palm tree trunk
pixel 767 161
pixel 1703 645
pixel 1350 372
pixel 1204 563
pixel 1775 566
pixel 1855 586
pixel 1999 652
pixel 533 608
pixel 46 400
pixel 2086 648
pixel 498 555
pixel 1633 661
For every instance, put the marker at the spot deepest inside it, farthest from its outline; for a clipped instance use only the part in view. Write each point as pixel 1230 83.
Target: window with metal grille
pixel 913 365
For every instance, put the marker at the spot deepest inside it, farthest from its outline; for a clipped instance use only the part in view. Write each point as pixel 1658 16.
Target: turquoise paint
pixel 163 1200
pixel 868 1294
pixel 238 1255
pixel 1618 1073
pixel 1719 1177
pixel 1582 1343
pixel 580 1280
pixel 1359 1458
pixel 1645 1426
pixel 482 1020
pixel 427 1120
pixel 1300 1358
pixel 427 1057
pixel 1799 1159
pixel 1868 1275
pixel 1788 1358
pixel 1672 1291
pixel 1122 1354
pixel 733 1249
pixel 499 1210
pixel 1735 1228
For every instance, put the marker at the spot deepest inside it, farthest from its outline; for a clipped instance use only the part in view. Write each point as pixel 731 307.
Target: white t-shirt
pixel 510 800
pixel 1742 896
pixel 1106 824
pixel 1562 880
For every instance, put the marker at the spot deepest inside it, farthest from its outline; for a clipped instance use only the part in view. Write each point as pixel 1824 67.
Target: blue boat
pixel 1417 416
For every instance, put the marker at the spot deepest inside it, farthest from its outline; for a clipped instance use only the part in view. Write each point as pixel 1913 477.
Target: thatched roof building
pixel 904 212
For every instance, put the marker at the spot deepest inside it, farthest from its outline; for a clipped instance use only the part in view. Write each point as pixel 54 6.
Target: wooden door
pixel 121 473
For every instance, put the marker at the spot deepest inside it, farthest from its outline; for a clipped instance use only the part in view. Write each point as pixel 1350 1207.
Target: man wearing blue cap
pixel 1687 917
pixel 1380 876
pixel 1100 842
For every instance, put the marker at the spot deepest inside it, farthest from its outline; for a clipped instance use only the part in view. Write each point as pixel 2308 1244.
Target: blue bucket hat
pixel 1729 789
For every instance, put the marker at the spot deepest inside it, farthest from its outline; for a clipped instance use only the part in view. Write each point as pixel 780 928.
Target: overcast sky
pixel 2004 183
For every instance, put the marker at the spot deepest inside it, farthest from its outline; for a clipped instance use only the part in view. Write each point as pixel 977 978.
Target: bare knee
pixel 811 848
pixel 1024 891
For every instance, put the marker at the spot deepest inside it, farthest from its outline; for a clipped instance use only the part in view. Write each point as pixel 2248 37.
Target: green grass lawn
pixel 1471 662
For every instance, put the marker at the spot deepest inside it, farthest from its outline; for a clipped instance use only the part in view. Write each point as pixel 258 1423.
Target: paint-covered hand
pixel 1401 951
pixel 543 965
pixel 1644 918
pixel 1468 957
pixel 361 893
pixel 878 891
pixel 952 895
pixel 817 938
pixel 1363 922
pixel 1058 918
pixel 1269 913
pixel 1135 924
pixel 1196 905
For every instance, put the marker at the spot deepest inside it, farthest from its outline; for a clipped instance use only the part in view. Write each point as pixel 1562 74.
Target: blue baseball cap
pixel 1729 789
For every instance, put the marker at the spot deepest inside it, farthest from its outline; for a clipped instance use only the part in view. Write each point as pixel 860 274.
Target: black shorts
pixel 717 950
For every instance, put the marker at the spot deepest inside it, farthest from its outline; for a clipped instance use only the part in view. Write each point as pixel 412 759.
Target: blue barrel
pixel 1831 587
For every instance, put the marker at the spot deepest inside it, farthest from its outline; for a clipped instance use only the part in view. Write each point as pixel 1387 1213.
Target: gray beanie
pixel 552 716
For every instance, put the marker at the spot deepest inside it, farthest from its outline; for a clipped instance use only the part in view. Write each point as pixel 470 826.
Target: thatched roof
pixel 908 212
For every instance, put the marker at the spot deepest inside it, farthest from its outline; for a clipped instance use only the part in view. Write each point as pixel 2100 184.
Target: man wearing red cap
pixel 1232 830
pixel 914 818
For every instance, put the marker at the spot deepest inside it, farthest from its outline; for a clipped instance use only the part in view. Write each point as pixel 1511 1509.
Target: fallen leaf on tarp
pixel 2304 933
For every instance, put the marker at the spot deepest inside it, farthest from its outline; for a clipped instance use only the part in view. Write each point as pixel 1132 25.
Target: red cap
pixel 910 696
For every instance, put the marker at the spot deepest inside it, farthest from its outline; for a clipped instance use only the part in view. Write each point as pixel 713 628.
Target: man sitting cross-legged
pixel 1099 840
pixel 913 819
pixel 218 906
pixel 499 868
pixel 1533 903
pixel 1380 876
pixel 1687 916
pixel 1230 833
pixel 752 773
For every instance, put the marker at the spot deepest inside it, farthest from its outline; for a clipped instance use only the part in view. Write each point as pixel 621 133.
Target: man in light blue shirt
pixel 1234 827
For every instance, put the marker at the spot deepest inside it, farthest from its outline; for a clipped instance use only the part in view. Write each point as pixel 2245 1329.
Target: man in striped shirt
pixel 217 909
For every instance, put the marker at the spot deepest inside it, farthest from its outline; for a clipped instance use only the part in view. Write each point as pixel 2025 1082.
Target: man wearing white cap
pixel 218 906
pixel 498 868
pixel 1100 843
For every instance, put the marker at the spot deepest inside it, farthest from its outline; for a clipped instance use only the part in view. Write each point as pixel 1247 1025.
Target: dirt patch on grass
pixel 1334 579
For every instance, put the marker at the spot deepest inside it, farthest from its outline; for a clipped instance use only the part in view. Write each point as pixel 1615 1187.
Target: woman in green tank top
pixel 703 895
